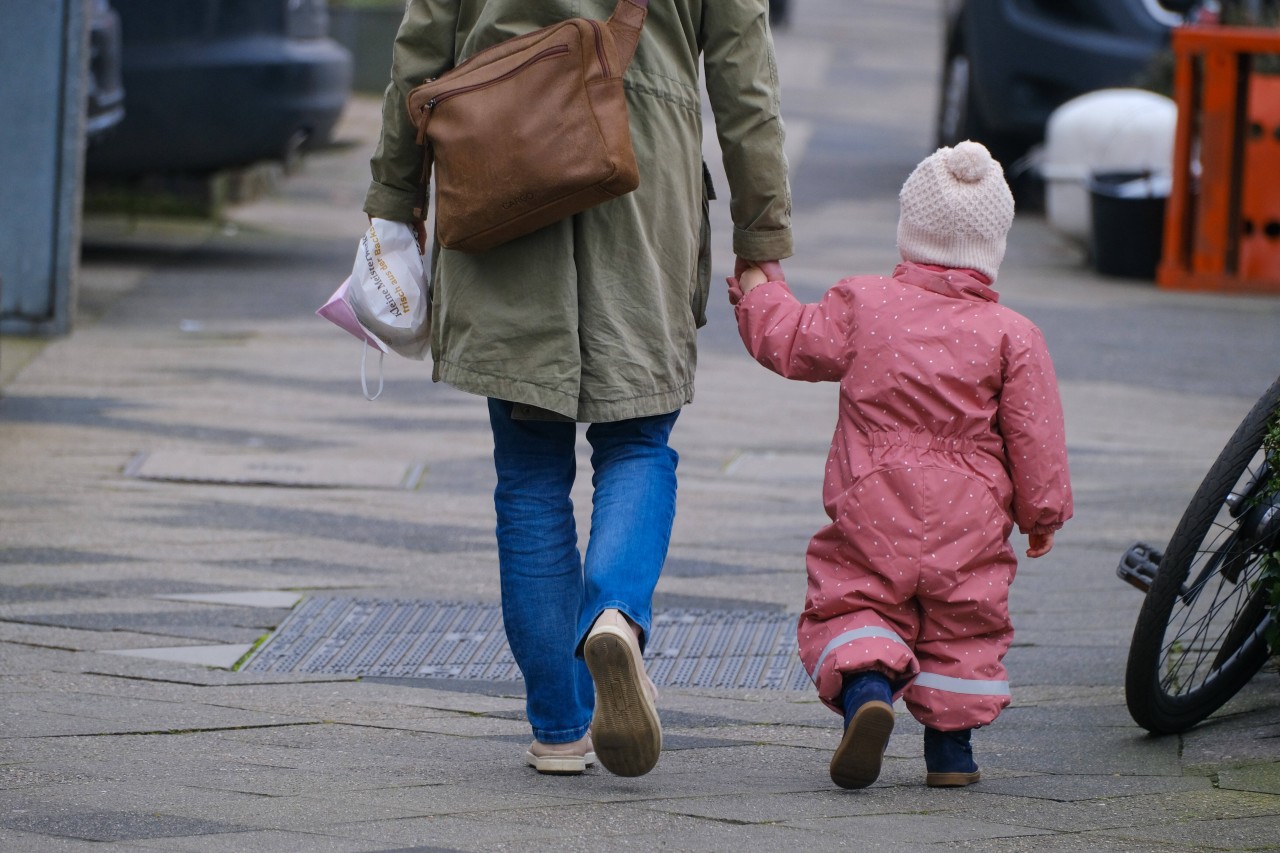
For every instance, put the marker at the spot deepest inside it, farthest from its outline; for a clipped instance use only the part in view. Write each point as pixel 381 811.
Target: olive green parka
pixel 594 318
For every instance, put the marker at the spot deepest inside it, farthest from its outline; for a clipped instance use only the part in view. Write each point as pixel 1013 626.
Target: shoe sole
pixel 951 780
pixel 560 765
pixel 856 763
pixel 625 731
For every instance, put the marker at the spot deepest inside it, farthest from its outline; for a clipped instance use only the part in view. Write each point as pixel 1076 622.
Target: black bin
pixel 1127 209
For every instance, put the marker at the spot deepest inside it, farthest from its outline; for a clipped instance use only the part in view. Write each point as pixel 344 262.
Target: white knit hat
pixel 956 210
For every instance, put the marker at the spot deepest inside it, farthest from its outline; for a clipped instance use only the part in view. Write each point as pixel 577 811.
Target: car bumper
pixel 1043 63
pixel 201 107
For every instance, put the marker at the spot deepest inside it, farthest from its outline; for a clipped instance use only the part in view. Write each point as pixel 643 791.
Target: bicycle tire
pixel 1176 676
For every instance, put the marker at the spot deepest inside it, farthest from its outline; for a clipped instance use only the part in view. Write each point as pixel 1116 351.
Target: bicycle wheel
pixel 1200 635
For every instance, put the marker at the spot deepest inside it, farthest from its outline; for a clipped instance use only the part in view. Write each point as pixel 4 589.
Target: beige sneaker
pixel 627 732
pixel 561 759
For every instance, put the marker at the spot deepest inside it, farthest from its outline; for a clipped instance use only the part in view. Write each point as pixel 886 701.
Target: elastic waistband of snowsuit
pixel 921 441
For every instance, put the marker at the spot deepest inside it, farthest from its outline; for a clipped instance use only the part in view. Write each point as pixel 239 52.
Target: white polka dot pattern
pixel 950 432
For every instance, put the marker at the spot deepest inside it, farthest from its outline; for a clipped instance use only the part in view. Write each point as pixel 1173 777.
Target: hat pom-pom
pixel 969 162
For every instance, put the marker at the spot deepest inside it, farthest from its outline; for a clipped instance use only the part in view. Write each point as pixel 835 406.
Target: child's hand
pixel 742 284
pixel 1039 544
pixel 748 275
pixel 751 277
pixel 772 269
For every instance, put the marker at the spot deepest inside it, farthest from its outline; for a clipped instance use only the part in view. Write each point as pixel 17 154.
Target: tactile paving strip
pixel 412 638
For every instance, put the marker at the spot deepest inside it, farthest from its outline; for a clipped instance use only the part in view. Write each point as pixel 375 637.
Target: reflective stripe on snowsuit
pixel 920 594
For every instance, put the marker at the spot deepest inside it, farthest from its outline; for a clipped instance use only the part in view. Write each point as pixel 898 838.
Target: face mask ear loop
pixel 364 382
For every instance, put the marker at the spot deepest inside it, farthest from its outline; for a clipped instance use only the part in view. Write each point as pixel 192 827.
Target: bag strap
pixel 424 182
pixel 364 381
pixel 625 23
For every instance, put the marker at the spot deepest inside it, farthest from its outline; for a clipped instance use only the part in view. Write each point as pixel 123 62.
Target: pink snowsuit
pixel 949 432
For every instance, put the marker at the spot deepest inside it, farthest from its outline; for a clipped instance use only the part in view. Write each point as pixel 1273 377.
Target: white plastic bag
pixel 338 310
pixel 389 292
pixel 386 301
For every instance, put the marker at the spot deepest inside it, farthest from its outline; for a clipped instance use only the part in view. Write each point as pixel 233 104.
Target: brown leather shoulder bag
pixel 529 131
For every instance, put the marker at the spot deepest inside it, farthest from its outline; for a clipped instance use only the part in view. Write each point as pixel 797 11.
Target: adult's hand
pixel 771 269
pixel 419 232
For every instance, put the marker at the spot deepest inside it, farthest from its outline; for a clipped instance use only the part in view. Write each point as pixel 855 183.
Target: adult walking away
pixel 593 320
pixel 950 432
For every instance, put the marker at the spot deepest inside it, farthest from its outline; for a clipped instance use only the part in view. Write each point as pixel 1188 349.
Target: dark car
pixel 104 100
pixel 1008 64
pixel 215 84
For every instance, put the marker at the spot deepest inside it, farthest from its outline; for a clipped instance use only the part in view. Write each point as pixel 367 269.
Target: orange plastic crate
pixel 1222 222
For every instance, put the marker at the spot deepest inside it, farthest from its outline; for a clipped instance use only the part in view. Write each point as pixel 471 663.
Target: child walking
pixel 949 433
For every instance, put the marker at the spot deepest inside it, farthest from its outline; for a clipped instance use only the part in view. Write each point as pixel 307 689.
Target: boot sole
pixel 856 763
pixel 951 780
pixel 625 731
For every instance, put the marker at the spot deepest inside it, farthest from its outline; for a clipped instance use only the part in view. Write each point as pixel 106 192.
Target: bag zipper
pixel 604 60
pixel 556 50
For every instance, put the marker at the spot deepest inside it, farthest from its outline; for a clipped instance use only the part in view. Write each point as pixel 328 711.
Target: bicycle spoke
pixel 1201 632
pixel 1194 641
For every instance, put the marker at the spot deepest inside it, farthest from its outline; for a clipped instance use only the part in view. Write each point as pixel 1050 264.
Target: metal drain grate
pixel 410 638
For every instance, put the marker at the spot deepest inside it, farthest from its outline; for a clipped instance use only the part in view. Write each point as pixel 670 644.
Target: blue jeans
pixel 550 595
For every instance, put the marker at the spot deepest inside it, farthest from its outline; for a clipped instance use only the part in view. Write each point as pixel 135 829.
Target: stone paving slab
pixel 45 715
pixel 14 840
pixel 1066 842
pixel 1057 750
pixel 1115 812
pixel 1246 833
pixel 333 699
pixel 277 841
pixel 1082 787
pixel 42 646
pixel 924 829
pixel 246 598
pixel 515 834
pixel 111 825
pixel 1262 778
pixel 216 657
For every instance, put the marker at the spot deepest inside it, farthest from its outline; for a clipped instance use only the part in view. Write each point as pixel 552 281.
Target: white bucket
pixel 1110 130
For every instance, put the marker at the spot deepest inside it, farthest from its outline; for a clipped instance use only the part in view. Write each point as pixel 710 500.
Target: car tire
pixel 959 117
pixel 955 108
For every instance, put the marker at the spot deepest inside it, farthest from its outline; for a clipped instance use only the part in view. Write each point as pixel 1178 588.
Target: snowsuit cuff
pixel 1040 528
pixel 737 297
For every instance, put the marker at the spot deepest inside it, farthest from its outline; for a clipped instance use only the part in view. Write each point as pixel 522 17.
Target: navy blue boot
pixel 948 758
pixel 868 722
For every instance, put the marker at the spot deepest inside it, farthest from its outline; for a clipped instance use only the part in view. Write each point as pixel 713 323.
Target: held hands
pixel 1039 544
pixel 751 274
pixel 771 269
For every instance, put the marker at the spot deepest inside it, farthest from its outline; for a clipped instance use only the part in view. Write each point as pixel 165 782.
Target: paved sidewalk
pixel 196 458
